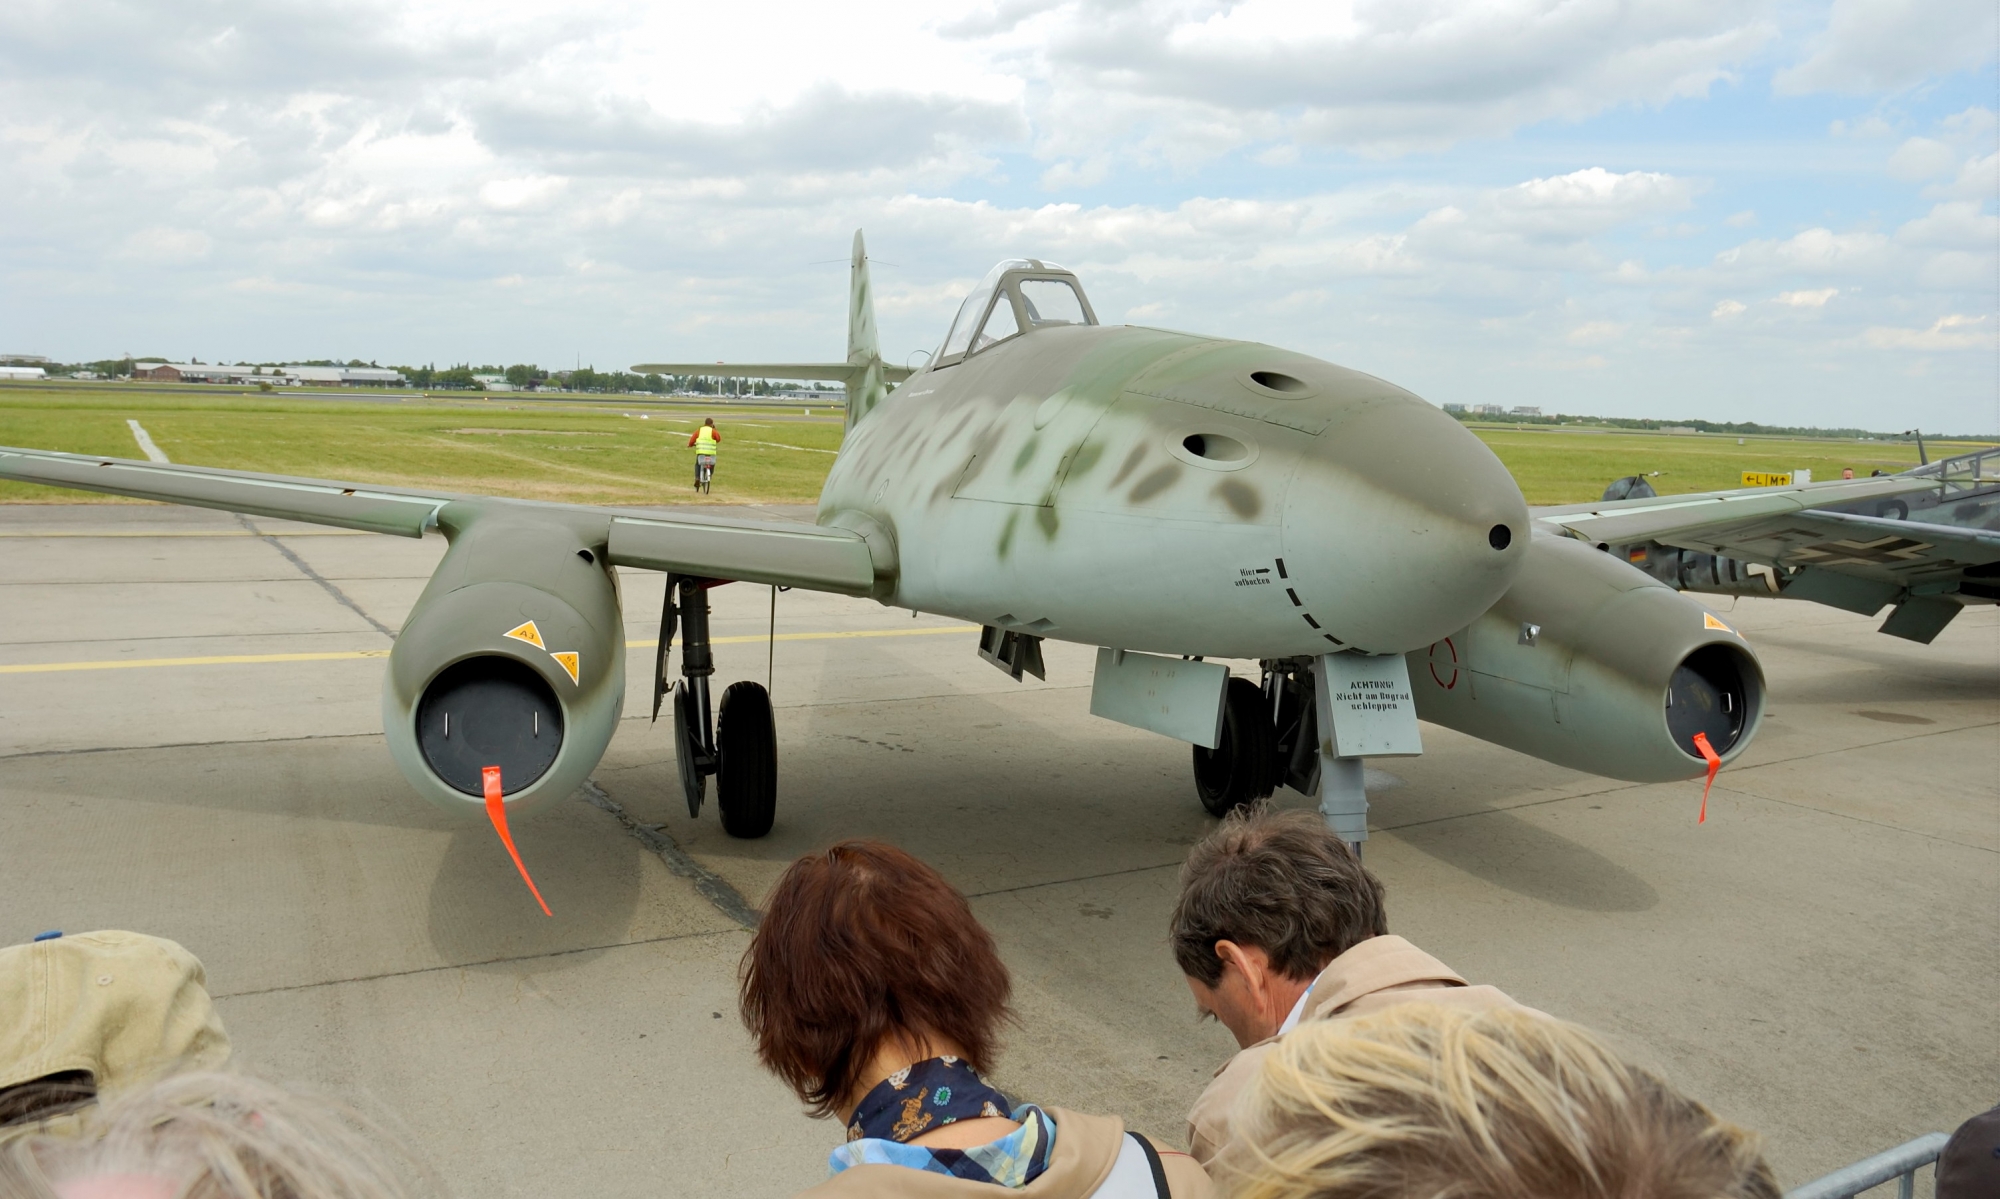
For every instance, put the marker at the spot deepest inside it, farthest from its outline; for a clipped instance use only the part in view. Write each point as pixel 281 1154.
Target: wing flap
pixel 1711 513
pixel 349 506
pixel 811 556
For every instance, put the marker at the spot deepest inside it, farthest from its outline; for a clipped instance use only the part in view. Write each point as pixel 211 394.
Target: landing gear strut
pixel 739 745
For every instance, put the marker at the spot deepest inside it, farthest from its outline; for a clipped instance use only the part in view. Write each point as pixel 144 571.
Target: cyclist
pixel 705 441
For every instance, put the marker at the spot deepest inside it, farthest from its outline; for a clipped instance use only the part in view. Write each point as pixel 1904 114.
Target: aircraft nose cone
pixel 1401 527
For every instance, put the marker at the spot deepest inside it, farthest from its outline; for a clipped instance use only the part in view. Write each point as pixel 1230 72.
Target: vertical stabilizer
pixel 866 387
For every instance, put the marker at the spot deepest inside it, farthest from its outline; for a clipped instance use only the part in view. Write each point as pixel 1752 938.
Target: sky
pixel 1721 209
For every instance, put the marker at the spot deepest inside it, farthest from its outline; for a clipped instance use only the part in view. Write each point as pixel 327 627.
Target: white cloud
pixel 1879 45
pixel 1740 220
pixel 1922 158
pixel 528 192
pixel 1593 333
pixel 1813 298
pixel 1725 309
pixel 1955 332
pixel 160 244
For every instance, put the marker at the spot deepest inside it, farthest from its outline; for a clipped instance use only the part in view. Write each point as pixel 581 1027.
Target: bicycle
pixel 704 472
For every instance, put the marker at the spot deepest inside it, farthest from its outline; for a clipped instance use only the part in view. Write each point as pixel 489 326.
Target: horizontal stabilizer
pixel 841 372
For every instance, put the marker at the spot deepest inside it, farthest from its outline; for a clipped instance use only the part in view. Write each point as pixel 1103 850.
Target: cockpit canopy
pixel 1017 296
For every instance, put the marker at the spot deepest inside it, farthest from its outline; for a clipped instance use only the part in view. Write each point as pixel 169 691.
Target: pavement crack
pixel 326 584
pixel 712 886
pixel 499 961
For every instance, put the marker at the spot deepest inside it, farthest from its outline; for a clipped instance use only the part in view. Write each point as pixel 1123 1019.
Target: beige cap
pixel 125 1006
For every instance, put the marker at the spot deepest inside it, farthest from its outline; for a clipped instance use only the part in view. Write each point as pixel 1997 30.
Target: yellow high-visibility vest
pixel 705 441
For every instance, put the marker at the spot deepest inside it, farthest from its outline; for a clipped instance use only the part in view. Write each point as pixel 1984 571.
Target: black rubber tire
pixel 746 744
pixel 1242 769
pixel 694 784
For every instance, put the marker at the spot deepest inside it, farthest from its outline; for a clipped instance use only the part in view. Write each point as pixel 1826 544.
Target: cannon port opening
pixel 1715 690
pixel 489 711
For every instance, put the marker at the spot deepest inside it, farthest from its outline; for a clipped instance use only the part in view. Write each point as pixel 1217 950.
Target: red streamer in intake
pixel 1700 743
pixel 496 811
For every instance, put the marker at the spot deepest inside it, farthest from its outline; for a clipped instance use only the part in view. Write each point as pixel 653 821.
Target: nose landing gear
pixel 739 745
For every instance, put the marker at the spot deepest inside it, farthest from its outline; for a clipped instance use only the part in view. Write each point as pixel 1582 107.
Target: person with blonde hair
pixel 206 1135
pixel 1423 1100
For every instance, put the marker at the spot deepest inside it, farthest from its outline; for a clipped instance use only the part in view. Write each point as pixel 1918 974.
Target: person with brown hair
pixel 877 997
pixel 1422 1100
pixel 1278 923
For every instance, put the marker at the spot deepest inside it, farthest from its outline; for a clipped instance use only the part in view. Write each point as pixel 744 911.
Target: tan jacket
pixel 1086 1148
pixel 1378 973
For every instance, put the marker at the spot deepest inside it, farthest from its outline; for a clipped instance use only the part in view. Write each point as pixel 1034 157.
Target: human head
pixel 1846 472
pixel 96 1012
pixel 709 421
pixel 859 946
pixel 1268 892
pixel 1424 1100
pixel 209 1136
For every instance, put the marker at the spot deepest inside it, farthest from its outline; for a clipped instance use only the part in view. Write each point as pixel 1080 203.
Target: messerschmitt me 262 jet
pixel 1165 497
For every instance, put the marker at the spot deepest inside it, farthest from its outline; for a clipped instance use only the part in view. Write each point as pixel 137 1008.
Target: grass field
pixel 599 450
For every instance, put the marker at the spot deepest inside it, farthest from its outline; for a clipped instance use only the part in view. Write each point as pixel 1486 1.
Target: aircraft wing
pixel 1877 547
pixel 803 371
pixel 788 555
pixel 1710 519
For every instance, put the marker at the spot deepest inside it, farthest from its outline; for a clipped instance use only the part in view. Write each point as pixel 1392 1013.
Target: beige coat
pixel 1378 973
pixel 1086 1148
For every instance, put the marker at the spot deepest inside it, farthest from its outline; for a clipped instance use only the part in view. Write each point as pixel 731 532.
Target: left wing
pixel 1712 519
pixel 814 557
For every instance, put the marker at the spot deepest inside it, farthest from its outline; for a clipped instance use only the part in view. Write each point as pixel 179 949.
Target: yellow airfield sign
pixel 1752 478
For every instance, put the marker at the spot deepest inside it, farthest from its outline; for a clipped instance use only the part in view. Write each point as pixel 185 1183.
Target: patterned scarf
pixel 929 1095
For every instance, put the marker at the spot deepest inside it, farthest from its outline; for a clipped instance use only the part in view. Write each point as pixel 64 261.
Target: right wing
pixel 845 372
pixel 815 557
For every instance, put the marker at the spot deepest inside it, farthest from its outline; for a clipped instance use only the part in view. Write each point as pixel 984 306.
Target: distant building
pixel 24 359
pixel 1454 407
pixel 344 376
pixel 1525 410
pixel 1490 409
pixel 192 372
pixel 1679 429
pixel 23 372
pixel 493 383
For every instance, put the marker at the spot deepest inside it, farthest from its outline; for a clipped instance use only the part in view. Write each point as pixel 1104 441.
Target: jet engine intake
pixel 513 657
pixel 1589 663
pixel 489 711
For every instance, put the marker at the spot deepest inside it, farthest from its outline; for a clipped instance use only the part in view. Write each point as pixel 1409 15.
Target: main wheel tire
pixel 687 742
pixel 746 743
pixel 1240 769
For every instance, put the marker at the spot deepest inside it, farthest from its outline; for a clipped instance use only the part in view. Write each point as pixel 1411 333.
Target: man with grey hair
pixel 1277 922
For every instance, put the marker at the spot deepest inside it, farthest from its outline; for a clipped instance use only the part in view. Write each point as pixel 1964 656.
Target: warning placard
pixel 1752 478
pixel 526 631
pixel 1368 705
pixel 570 661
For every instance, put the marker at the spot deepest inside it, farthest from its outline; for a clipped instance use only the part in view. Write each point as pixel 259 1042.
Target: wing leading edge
pixel 814 557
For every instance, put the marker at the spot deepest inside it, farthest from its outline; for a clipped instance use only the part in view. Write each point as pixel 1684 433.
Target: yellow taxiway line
pixel 351 655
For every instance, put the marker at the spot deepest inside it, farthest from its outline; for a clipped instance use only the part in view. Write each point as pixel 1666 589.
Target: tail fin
pixel 866 385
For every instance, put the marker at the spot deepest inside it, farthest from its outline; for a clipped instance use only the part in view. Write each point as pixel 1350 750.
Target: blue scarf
pixel 929 1095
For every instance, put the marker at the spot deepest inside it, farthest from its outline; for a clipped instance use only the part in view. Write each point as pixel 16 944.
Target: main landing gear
pixel 1270 738
pixel 739 746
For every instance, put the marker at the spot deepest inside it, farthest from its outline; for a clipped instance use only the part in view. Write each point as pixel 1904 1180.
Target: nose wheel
pixel 740 745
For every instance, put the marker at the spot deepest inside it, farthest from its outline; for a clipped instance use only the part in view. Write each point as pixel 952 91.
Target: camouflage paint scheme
pixel 1122 486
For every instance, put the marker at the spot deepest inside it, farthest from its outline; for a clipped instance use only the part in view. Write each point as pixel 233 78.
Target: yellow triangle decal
pixel 526 631
pixel 569 661
pixel 1708 621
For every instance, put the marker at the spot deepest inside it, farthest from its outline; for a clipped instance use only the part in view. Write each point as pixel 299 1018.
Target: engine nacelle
pixel 1591 664
pixel 514 656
